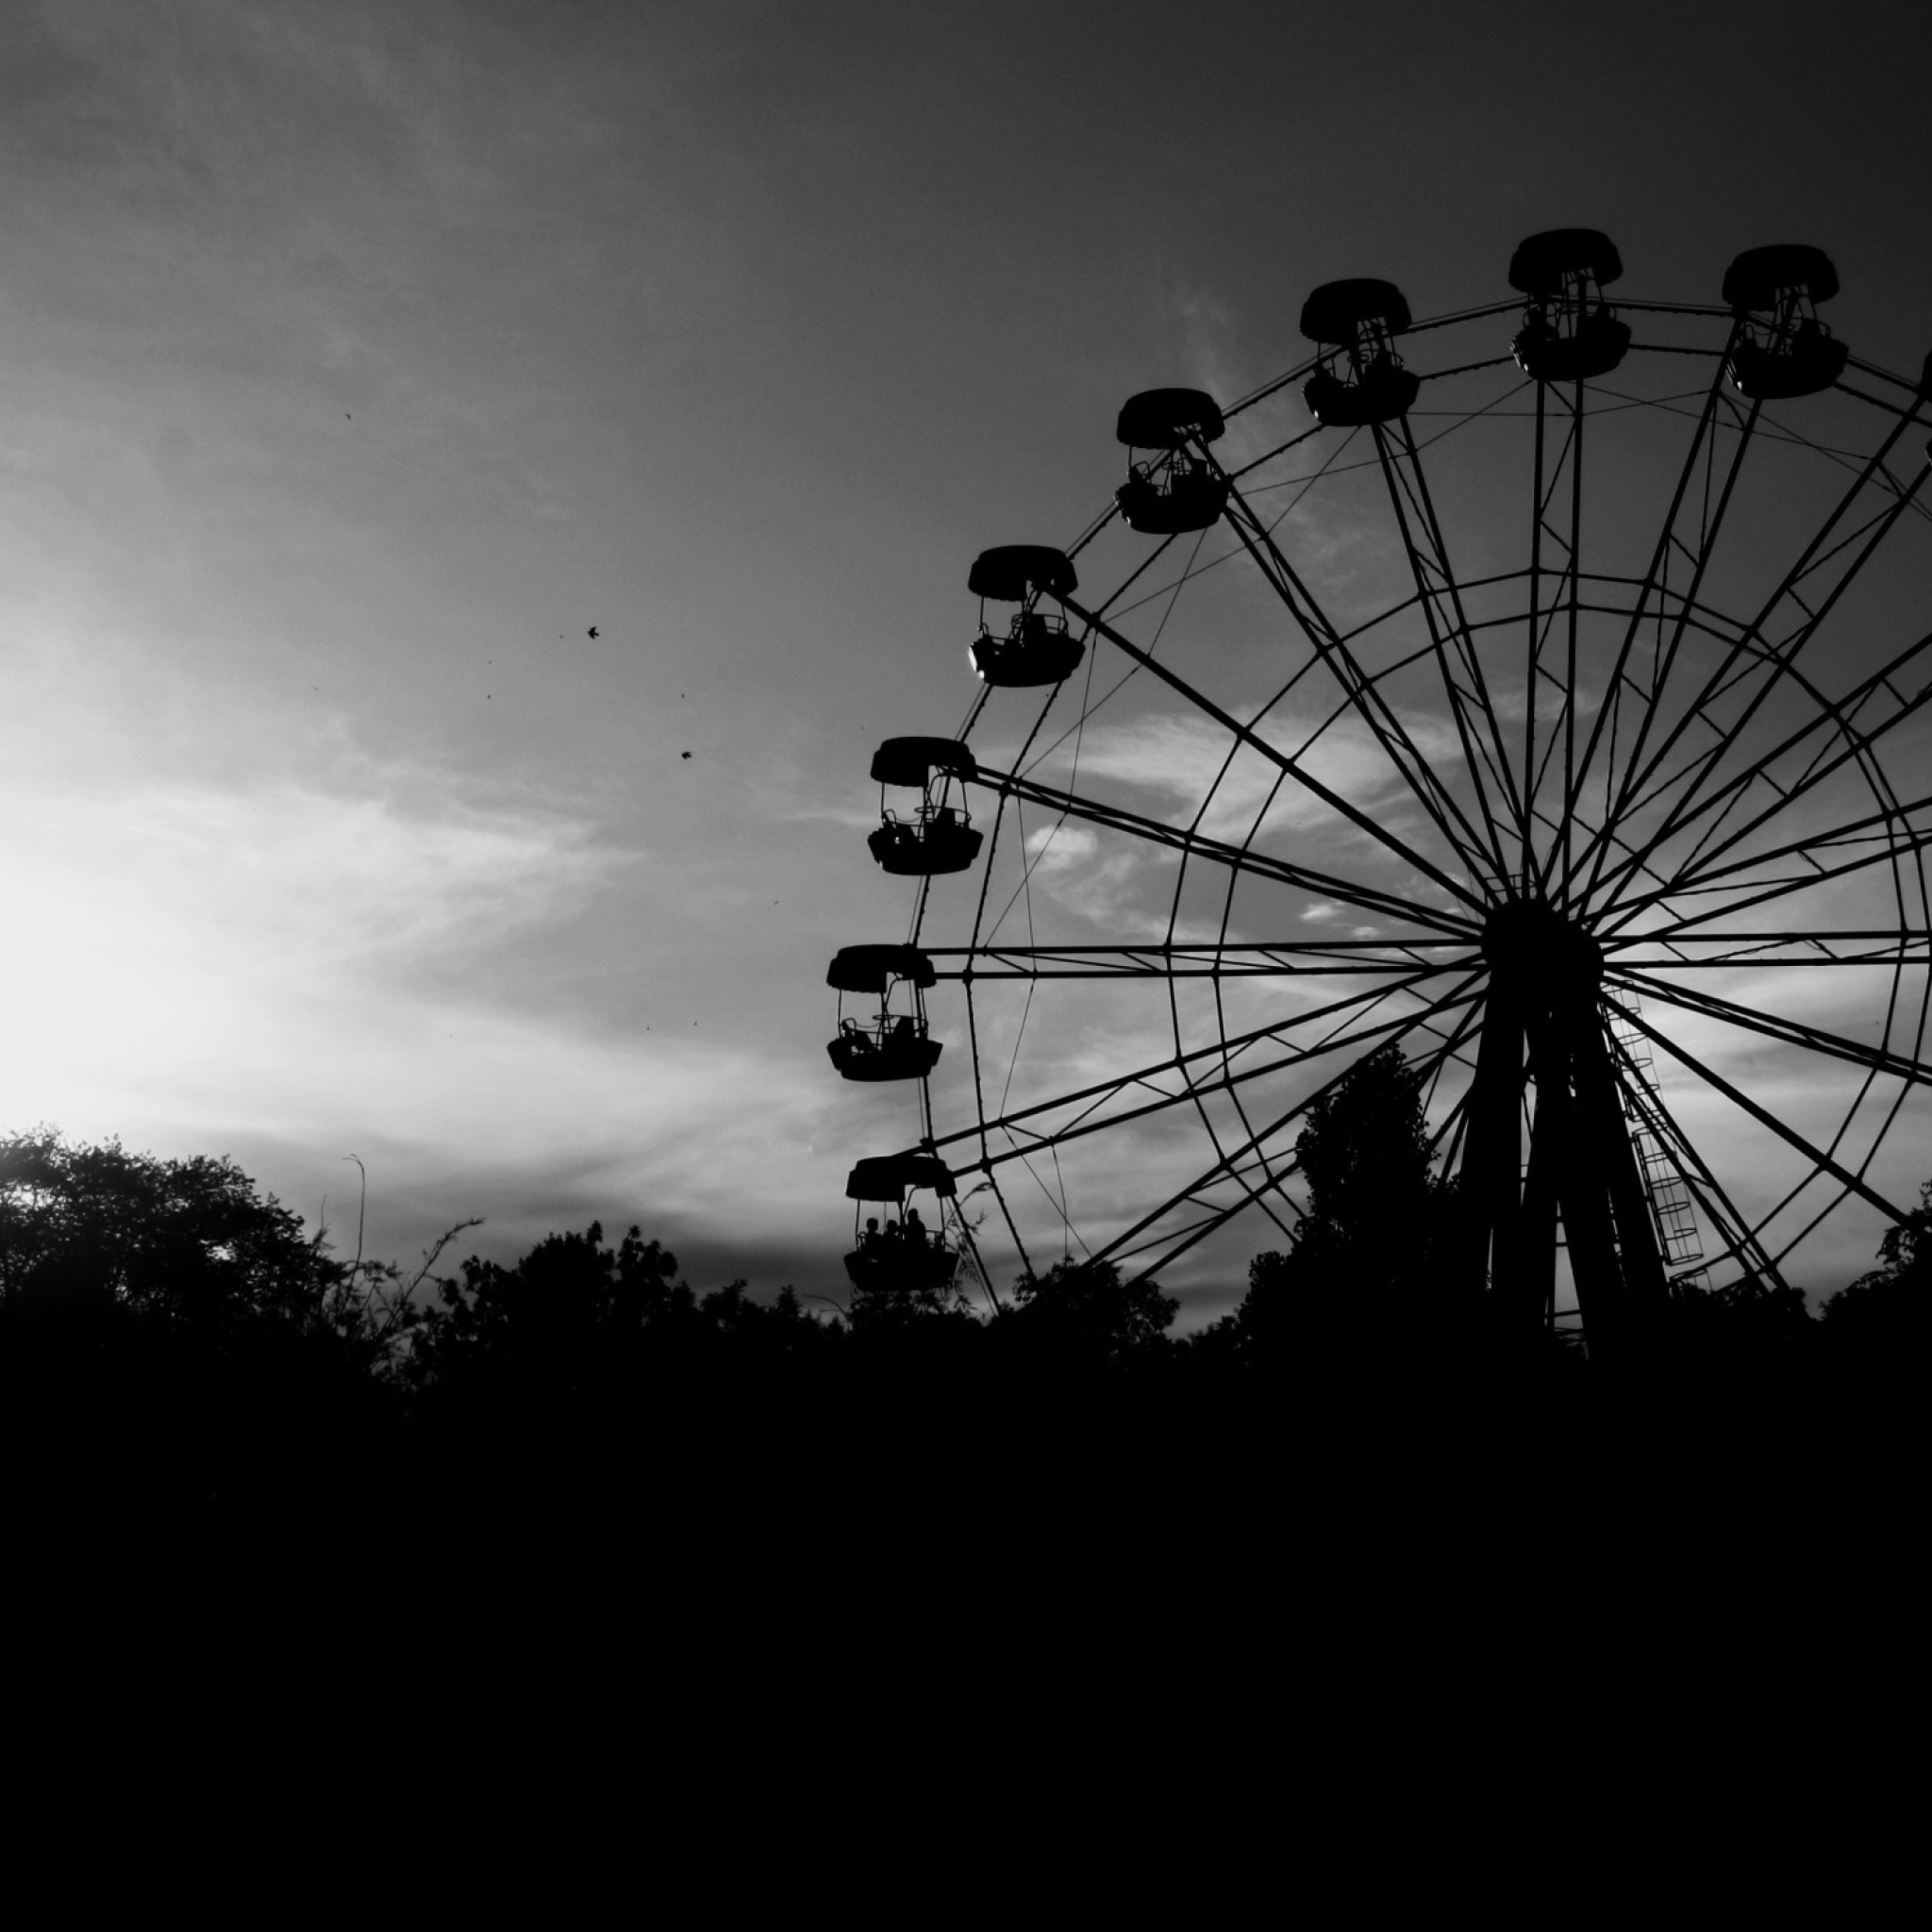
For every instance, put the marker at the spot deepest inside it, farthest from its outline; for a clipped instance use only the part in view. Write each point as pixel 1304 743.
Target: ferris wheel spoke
pixel 1537 629
pixel 1199 844
pixel 1640 855
pixel 1689 879
pixel 1710 524
pixel 1820 1160
pixel 1773 658
pixel 1221 1170
pixel 1818 1040
pixel 1089 1101
pixel 1649 872
pixel 1790 885
pixel 1733 1226
pixel 1776 661
pixel 1816 556
pixel 1701 450
pixel 1859 946
pixel 1364 821
pixel 930 1143
pixel 1460 628
pixel 992 847
pixel 1477 728
pixel 1361 691
pixel 1258 1197
pixel 1254 1178
pixel 1196 959
pixel 1868 831
pixel 1250 1150
pixel 1693 872
pixel 1756 1231
pixel 1858 741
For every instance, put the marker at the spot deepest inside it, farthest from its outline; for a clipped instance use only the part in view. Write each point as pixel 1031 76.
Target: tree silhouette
pixel 910 1303
pixel 1079 1311
pixel 181 1244
pixel 1884 1318
pixel 170 1338
pixel 577 1321
pixel 1369 1268
pixel 1750 1322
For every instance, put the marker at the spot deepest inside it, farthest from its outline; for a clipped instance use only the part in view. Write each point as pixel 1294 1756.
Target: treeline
pixel 172 1338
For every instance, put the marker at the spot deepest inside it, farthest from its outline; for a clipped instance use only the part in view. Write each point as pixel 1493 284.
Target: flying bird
pixel 684 753
pixel 591 632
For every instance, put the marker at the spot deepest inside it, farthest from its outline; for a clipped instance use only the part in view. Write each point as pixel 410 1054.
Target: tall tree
pixel 1368 1267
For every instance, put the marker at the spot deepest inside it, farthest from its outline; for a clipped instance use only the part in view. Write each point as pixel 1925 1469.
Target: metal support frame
pixel 1544 1058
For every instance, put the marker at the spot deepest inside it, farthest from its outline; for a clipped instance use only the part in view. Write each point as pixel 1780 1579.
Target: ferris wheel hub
pixel 1529 942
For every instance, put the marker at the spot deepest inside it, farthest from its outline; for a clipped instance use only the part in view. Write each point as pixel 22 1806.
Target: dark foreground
pixel 188 1383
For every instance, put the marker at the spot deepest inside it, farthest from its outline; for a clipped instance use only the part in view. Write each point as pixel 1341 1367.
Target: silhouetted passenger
pixel 869 1238
pixel 915 1229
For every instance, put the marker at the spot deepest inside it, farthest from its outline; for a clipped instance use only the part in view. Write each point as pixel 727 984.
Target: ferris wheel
pixel 1541 689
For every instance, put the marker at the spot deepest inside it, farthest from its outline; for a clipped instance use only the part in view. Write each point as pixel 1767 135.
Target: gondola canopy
pixel 873 969
pixel 887 1177
pixel 1014 572
pixel 911 760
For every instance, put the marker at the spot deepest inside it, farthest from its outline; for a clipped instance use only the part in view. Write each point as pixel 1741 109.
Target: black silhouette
pixel 1080 1312
pixel 1370 1272
pixel 938 837
pixel 591 632
pixel 1569 333
pixel 1038 648
pixel 174 1351
pixel 902 1265
pixel 1884 1318
pixel 888 1045
pixel 1783 349
pixel 1361 379
pixel 1179 489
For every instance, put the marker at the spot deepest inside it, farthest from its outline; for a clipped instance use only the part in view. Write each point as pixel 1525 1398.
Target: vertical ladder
pixel 1670 1199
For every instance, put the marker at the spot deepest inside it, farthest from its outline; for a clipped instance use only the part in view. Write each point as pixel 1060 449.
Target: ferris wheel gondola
pixel 1172 492
pixel 893 1043
pixel 1037 647
pixel 904 1257
pixel 936 836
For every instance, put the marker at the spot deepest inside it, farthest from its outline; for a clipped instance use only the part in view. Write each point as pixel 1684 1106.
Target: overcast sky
pixel 356 361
